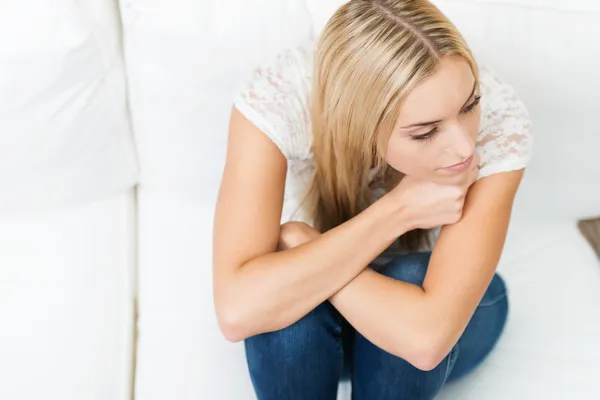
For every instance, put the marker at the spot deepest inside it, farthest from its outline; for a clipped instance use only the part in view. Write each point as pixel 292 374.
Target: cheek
pixel 408 157
pixel 473 125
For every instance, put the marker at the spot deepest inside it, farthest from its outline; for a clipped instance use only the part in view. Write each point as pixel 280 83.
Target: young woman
pixel 382 135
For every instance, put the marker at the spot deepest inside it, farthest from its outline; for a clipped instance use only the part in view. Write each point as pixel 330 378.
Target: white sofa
pixel 78 243
pixel 67 170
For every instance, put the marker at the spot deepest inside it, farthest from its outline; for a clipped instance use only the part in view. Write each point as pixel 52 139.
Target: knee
pixel 490 317
pixel 496 295
pixel 296 337
pixel 410 268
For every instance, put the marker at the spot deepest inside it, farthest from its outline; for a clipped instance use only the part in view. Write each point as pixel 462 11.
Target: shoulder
pixel 275 98
pixel 505 136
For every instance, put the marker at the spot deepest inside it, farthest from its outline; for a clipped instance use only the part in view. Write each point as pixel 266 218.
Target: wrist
pixel 393 215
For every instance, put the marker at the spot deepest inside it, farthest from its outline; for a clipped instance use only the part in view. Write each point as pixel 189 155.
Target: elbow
pixel 232 325
pixel 427 359
pixel 428 352
pixel 232 332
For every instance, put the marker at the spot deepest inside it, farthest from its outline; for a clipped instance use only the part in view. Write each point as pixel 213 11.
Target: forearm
pixel 398 317
pixel 416 324
pixel 273 291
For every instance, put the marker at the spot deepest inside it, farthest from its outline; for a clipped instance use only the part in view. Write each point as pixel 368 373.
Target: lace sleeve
pixel 275 99
pixel 505 137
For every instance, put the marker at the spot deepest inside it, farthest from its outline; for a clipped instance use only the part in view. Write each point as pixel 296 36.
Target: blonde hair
pixel 370 55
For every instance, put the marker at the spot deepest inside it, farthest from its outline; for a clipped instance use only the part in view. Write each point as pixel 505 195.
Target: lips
pixel 460 166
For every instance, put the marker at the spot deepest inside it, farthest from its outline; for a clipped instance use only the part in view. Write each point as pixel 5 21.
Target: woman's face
pixel 435 134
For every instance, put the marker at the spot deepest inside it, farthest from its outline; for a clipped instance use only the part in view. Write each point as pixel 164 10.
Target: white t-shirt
pixel 276 100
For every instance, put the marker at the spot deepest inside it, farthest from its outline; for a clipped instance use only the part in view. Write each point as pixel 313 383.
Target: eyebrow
pixel 439 120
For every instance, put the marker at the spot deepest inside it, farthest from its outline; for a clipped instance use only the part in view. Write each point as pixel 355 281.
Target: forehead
pixel 440 95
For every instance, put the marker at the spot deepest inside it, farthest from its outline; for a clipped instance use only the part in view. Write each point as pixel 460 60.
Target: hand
pixel 293 234
pixel 427 204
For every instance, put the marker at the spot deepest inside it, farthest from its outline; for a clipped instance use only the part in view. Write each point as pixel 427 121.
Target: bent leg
pixel 484 329
pixel 302 361
pixel 381 375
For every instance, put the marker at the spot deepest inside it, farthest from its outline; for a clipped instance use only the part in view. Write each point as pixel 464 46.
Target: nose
pixel 460 143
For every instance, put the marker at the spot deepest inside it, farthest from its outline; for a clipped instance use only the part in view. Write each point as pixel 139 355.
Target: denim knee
pixel 302 361
pixel 495 293
pixel 410 268
pixel 289 340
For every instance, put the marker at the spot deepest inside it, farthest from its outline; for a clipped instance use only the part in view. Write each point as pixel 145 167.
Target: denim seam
pixel 495 300
pixel 451 361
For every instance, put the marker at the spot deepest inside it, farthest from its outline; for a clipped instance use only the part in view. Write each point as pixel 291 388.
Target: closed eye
pixel 425 136
pixel 429 135
pixel 471 106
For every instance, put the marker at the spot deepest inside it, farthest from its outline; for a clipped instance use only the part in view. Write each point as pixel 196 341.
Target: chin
pixel 448 178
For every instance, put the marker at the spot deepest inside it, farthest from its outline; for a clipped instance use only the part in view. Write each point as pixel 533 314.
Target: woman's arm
pixel 421 325
pixel 257 289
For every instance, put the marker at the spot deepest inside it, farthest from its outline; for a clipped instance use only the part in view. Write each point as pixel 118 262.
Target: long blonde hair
pixel 370 55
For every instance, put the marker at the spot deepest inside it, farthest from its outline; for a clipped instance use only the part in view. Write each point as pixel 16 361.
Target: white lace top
pixel 276 100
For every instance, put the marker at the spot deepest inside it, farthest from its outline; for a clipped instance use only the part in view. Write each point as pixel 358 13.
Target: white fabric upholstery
pixel 66 302
pixel 180 346
pixel 67 167
pixel 64 130
pixel 185 61
pixel 549 349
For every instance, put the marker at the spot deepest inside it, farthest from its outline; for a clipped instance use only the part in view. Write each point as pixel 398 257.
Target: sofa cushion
pixel 549 347
pixel 66 302
pixel 185 62
pixel 64 127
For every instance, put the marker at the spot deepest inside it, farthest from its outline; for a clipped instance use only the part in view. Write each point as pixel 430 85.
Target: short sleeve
pixel 505 137
pixel 275 99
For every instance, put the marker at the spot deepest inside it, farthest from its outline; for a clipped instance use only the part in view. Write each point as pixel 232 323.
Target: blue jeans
pixel 307 359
